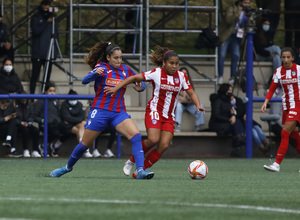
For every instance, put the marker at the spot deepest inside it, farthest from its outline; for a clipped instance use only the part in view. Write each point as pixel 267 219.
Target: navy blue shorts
pixel 99 118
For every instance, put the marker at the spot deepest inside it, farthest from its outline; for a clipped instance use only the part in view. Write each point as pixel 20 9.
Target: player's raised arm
pixel 131 79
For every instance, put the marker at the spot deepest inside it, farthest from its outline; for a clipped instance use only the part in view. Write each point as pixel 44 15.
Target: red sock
pixel 145 149
pixel 151 159
pixel 295 136
pixel 284 144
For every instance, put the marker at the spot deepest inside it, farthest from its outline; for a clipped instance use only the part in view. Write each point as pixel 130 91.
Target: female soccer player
pixel 288 76
pixel 167 82
pixel 105 60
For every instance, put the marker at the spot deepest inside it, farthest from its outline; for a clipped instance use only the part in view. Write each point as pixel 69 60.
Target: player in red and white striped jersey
pixel 167 82
pixel 288 76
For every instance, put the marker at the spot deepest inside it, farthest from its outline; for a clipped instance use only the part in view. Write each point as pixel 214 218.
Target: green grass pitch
pixel 98 189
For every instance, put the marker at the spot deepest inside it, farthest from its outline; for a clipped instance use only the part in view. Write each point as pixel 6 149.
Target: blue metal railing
pixel 46 97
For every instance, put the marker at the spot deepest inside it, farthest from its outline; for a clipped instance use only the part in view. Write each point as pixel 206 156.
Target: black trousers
pixel 29 131
pixel 36 69
pixel 9 128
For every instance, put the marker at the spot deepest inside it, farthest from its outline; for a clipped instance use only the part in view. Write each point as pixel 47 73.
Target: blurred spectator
pixel 231 33
pixel 265 49
pixel 41 26
pixel 224 120
pixel 111 139
pixel 73 119
pixel 8 128
pixel 291 21
pixel 6 48
pixel 24 121
pixel 9 80
pixel 54 120
pixel 272 6
pixel 185 103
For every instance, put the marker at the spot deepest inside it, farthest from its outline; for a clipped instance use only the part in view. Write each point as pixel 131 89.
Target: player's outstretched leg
pixel 60 171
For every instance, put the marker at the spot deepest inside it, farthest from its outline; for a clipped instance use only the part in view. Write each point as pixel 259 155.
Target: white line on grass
pixel 212 205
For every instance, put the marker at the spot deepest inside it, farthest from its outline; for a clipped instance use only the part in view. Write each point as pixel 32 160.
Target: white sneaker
pixel 35 154
pixel 96 153
pixel 127 167
pixel 26 153
pixel 274 167
pixel 87 154
pixel 177 128
pixel 231 81
pixel 108 153
pixel 220 81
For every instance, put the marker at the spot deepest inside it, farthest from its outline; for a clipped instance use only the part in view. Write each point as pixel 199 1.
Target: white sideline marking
pixel 212 205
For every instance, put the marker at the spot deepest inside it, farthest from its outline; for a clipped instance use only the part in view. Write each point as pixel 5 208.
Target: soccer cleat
pixel 54 151
pixel 26 153
pixel 87 154
pixel 145 174
pixel 35 154
pixel 60 171
pixel 274 167
pixel 127 167
pixel 134 174
pixel 108 153
pixel 14 154
pixel 96 153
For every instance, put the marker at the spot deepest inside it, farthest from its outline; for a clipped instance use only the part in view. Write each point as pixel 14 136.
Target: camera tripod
pixel 51 57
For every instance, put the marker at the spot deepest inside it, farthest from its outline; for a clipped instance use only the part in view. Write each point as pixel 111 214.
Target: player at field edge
pixel 105 61
pixel 167 82
pixel 288 77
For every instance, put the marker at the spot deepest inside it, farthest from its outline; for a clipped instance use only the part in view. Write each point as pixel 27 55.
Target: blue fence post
pixel 249 94
pixel 45 127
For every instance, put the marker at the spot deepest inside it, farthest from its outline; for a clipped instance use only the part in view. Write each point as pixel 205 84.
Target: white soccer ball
pixel 197 170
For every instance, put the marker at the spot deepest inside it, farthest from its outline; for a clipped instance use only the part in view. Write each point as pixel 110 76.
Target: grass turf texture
pixel 97 189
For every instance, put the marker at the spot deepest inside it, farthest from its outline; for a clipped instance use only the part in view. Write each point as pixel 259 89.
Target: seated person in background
pixel 8 128
pixel 24 120
pixel 259 138
pixel 5 46
pixel 265 50
pixel 185 103
pixel 54 120
pixel 224 120
pixel 73 119
pixel 9 80
pixel 112 137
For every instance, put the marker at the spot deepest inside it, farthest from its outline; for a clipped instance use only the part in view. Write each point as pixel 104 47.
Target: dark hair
pixel 188 75
pixel 223 89
pixel 99 52
pixel 48 85
pixel 45 2
pixel 287 49
pixel 72 92
pixel 5 59
pixel 161 54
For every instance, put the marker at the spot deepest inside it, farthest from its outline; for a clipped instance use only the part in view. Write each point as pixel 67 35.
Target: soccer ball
pixel 197 170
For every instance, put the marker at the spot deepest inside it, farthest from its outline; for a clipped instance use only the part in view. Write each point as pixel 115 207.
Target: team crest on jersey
pixel 176 80
pixel 293 73
pixel 89 122
pixel 124 73
pixel 154 121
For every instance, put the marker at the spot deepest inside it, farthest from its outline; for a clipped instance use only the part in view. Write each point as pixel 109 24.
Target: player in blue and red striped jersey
pixel 167 82
pixel 105 60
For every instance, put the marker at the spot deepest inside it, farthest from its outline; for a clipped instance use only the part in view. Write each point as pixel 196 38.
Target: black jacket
pixel 9 82
pixel 3 33
pixel 53 111
pixel 41 35
pixel 72 114
pixel 24 111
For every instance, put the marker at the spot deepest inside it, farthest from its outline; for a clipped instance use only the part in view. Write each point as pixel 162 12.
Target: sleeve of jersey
pixel 271 91
pixel 131 73
pixel 148 76
pixel 186 83
pixel 91 76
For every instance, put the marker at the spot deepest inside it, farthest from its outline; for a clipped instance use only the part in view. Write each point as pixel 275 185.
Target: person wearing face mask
pixel 24 124
pixel 9 80
pixel 226 120
pixel 72 115
pixel 6 48
pixel 41 26
pixel 265 49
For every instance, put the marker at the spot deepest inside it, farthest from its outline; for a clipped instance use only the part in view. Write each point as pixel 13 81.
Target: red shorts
pixel 291 115
pixel 154 120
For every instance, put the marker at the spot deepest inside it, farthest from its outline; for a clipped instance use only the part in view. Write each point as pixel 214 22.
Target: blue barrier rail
pixel 46 97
